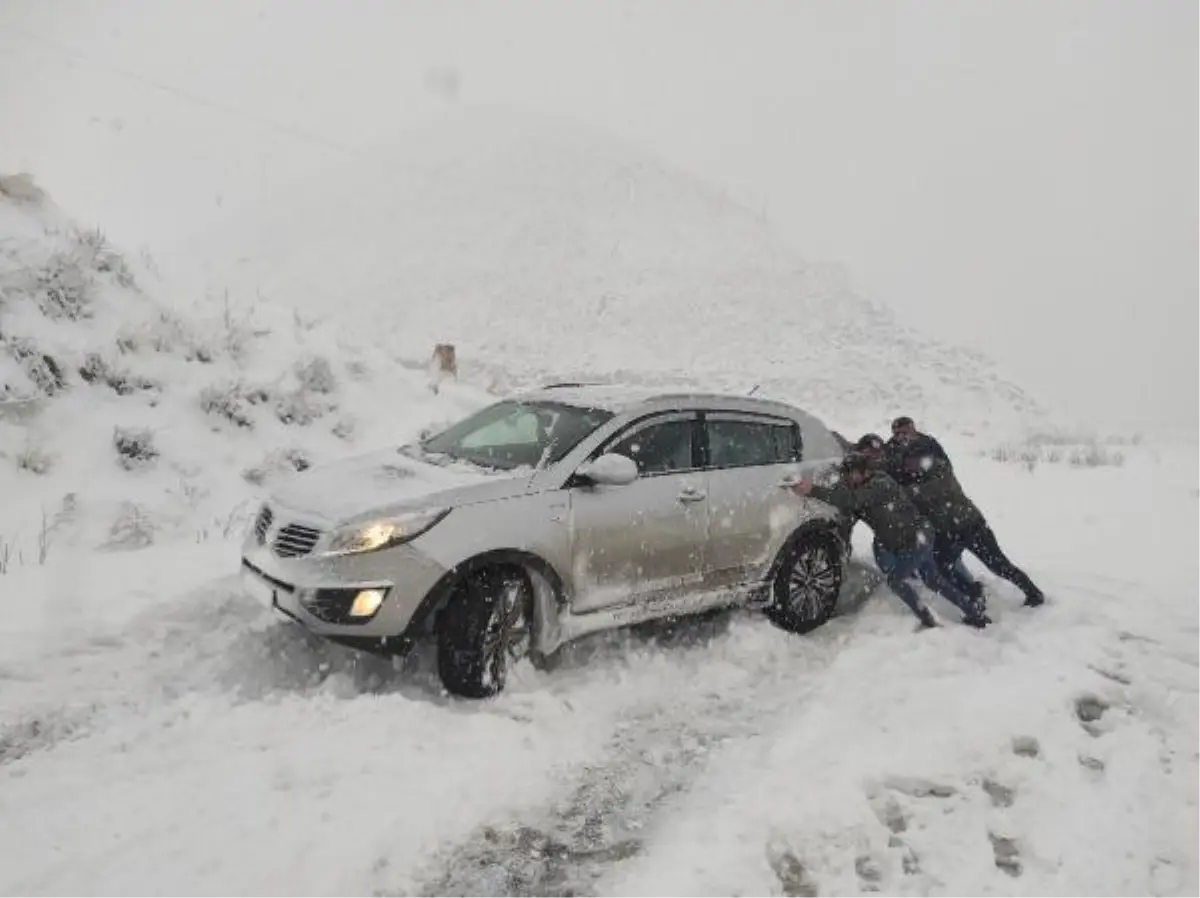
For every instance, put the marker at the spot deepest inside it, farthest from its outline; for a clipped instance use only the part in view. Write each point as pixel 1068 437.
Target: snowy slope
pixel 159 734
pixel 544 250
pixel 133 414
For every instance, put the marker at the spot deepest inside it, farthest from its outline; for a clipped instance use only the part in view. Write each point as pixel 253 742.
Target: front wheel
pixel 806 587
pixel 484 630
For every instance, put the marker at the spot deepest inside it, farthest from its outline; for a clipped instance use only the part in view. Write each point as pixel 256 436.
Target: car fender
pixel 548 594
pixel 816 526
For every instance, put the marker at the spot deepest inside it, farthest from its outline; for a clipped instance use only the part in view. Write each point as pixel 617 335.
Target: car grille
pixel 295 540
pixel 262 524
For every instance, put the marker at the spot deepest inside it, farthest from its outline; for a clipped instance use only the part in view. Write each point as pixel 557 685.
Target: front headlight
pixel 373 535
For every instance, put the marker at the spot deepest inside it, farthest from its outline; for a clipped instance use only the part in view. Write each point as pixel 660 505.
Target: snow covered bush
pixel 1090 454
pixel 34 459
pixel 135 447
pixel 228 402
pixel 281 461
pixel 44 373
pixel 315 375
pixel 133 528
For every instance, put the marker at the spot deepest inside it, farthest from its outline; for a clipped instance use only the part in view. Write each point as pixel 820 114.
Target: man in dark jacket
pixel 892 463
pixel 909 451
pixel 958 522
pixel 904 539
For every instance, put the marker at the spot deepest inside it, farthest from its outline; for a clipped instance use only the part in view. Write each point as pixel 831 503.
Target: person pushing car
pixel 930 480
pixel 904 537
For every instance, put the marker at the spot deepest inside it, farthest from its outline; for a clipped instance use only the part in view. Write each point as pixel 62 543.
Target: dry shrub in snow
pixel 315 375
pixel 63 288
pixel 1096 456
pixel 43 371
pixel 228 402
pixel 95 250
pixel 281 461
pixel 131 529
pixel 302 408
pixel 135 447
pixel 95 370
pixel 1091 455
pixel 34 459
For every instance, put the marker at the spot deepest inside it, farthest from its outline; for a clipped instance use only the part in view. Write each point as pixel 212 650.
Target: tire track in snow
pixel 218 642
pixel 657 750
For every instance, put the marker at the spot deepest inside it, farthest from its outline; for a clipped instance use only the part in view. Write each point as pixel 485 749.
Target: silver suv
pixel 554 514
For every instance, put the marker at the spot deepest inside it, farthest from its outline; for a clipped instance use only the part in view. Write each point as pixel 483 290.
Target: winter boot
pixel 978 620
pixel 925 616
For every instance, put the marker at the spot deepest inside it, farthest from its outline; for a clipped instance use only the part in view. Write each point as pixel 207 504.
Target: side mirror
pixel 610 470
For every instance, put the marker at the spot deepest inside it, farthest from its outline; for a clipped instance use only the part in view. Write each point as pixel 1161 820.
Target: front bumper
pixel 305 589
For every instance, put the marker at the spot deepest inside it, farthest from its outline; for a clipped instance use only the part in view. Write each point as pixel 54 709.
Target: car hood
pixel 389 481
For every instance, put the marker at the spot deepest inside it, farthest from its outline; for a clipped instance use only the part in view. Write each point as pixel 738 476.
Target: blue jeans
pixel 900 567
pixel 956 571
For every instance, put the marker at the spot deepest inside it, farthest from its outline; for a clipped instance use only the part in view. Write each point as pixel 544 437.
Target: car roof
pixel 622 398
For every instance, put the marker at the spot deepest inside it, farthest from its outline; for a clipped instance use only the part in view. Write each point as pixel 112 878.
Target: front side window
pixel 513 434
pixel 660 448
pixel 744 444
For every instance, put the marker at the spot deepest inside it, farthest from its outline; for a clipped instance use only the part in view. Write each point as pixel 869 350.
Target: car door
pixel 646 538
pixel 752 461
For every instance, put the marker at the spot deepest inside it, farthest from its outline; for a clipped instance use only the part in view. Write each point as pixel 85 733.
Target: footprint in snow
pixel 1026 747
pixel 1090 709
pixel 890 813
pixel 1007 854
pixel 1002 796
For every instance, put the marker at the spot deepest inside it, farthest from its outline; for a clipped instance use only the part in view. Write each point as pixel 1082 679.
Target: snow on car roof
pixel 622 397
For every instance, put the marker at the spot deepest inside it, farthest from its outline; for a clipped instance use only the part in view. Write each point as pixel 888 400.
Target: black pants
pixel 981 542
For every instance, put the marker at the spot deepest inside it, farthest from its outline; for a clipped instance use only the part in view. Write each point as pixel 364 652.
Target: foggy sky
pixel 1018 176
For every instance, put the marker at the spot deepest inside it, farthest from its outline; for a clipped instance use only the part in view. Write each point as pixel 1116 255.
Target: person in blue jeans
pixel 889 458
pixel 904 538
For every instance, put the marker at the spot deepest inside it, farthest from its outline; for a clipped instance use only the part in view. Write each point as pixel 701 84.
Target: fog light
pixel 367 602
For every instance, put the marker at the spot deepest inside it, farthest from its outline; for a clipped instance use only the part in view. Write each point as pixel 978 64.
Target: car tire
pixel 485 628
pixel 805 591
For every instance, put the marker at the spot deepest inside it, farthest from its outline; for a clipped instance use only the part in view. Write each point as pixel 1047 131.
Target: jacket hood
pixel 391 481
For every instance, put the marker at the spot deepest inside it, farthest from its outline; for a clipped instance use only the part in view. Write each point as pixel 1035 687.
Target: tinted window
pixel 513 434
pixel 660 448
pixel 741 444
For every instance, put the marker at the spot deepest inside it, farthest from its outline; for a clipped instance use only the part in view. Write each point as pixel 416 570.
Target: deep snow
pixel 160 734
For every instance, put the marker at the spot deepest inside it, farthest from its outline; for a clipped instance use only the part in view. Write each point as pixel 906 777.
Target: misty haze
pixel 688 447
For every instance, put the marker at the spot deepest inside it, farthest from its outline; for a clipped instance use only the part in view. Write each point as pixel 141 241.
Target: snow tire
pixel 484 629
pixel 805 592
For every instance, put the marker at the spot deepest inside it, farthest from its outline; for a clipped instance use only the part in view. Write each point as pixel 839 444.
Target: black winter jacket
pixel 941 499
pixel 910 463
pixel 883 505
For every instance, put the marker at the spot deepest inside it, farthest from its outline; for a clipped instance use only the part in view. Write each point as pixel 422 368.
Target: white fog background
pixel 1020 177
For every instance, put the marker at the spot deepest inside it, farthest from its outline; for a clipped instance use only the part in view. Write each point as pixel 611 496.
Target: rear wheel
pixel 484 630
pixel 806 587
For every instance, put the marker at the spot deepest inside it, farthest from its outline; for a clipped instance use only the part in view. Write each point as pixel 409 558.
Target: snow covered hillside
pixel 544 250
pixel 161 734
pixel 133 415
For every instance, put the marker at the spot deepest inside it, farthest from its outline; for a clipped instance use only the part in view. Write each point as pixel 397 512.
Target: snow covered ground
pixel 159 734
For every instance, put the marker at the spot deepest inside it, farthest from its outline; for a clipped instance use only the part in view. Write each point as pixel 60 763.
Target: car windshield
pixel 514 434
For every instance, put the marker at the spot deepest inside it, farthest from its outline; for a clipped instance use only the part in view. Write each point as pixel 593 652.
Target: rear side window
pixel 660 448
pixel 745 444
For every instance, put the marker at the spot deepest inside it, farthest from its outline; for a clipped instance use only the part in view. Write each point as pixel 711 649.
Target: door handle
pixel 690 494
pixel 788 482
